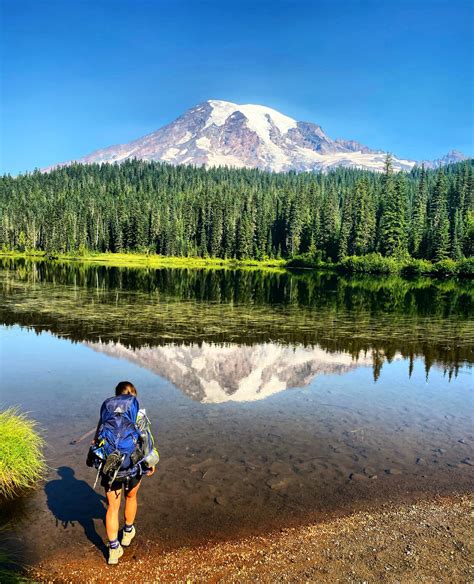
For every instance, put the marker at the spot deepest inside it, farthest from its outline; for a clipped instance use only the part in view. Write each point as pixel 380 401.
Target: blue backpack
pixel 118 431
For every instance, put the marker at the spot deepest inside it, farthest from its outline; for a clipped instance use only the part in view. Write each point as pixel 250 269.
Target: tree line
pixel 154 207
pixel 144 307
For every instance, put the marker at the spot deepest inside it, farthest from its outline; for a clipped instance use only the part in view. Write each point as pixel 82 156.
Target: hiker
pixel 122 451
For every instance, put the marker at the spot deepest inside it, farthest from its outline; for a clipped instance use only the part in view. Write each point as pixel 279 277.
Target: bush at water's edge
pixel 376 263
pixel 22 463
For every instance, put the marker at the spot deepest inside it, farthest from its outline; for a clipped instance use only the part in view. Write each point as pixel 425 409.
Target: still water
pixel 276 397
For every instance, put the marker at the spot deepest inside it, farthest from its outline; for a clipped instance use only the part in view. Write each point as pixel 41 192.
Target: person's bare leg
pixel 131 505
pixel 112 516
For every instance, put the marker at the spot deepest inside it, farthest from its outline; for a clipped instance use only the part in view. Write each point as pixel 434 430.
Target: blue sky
pixel 81 75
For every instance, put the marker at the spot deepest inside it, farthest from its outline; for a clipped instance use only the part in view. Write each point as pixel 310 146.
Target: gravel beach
pixel 429 541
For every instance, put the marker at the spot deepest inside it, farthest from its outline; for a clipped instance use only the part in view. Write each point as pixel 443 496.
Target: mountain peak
pixel 222 133
pixel 451 157
pixel 259 117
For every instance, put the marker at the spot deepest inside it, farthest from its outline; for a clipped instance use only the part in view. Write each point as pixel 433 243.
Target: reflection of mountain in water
pixel 216 373
pixel 142 307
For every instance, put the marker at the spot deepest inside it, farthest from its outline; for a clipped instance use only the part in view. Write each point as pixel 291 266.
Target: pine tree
pixel 393 235
pixel 346 228
pixel 363 226
pixel 245 234
pixel 295 227
pixel 329 224
pixel 438 220
pixel 468 212
pixel 418 220
pixel 216 232
pixel 457 236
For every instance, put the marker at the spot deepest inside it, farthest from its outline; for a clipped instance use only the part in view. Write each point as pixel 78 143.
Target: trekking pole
pixel 83 437
pixel 97 475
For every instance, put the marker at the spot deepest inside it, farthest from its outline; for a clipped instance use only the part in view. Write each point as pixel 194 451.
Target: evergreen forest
pixel 153 207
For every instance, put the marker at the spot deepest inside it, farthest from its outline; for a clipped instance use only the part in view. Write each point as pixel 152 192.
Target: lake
pixel 276 397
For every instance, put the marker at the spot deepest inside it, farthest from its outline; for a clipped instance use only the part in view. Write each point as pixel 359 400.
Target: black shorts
pixel 128 483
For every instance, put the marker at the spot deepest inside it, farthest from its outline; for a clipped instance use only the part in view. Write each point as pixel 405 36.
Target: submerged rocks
pixel 278 484
pixel 393 471
pixel 201 466
pixel 357 476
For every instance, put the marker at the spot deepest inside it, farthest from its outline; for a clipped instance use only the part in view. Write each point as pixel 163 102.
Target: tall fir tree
pixel 329 225
pixel 418 218
pixel 438 220
pixel 363 224
pixel 393 233
pixel 345 229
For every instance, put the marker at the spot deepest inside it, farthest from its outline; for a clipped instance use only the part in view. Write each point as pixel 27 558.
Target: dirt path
pixel 430 541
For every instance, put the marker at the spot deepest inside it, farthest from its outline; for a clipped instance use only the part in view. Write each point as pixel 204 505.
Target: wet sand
pixel 428 541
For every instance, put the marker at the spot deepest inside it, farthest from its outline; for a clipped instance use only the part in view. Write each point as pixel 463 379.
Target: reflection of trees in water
pixel 138 306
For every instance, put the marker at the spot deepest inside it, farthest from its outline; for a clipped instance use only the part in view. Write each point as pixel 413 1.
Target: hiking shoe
pixel 112 463
pixel 115 554
pixel 127 537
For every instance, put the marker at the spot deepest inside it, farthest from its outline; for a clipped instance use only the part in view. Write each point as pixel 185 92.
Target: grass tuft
pixel 22 463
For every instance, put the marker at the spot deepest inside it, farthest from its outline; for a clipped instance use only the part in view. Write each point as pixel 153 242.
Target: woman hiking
pixel 123 451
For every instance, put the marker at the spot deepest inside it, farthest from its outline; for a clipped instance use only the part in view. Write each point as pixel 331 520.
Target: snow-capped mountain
pixel 451 157
pixel 221 133
pixel 217 373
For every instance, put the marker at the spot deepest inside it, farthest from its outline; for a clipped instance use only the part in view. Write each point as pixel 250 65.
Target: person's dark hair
pixel 125 388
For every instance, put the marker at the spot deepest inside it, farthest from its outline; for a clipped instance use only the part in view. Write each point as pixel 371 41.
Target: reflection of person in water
pixel 71 500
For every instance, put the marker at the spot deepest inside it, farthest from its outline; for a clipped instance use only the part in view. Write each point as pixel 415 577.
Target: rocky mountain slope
pixel 221 133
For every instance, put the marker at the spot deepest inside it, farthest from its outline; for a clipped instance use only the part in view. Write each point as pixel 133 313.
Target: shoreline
pixel 138 260
pixel 424 541
pixel 373 265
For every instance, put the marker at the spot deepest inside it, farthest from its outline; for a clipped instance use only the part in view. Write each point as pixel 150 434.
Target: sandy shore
pixel 430 541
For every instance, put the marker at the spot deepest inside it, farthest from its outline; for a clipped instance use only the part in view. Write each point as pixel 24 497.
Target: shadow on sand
pixel 74 501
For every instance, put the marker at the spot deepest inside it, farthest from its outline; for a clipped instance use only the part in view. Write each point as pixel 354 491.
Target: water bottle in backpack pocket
pixel 150 456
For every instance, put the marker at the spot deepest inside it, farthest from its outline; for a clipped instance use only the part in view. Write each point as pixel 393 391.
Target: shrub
pixel 305 260
pixel 445 268
pixel 22 462
pixel 300 261
pixel 416 268
pixel 373 263
pixel 466 268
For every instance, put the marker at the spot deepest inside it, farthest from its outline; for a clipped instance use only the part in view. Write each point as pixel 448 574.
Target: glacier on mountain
pixel 222 133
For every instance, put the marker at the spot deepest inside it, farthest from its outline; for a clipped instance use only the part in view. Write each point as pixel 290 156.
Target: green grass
pixel 22 463
pixel 11 571
pixel 132 260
